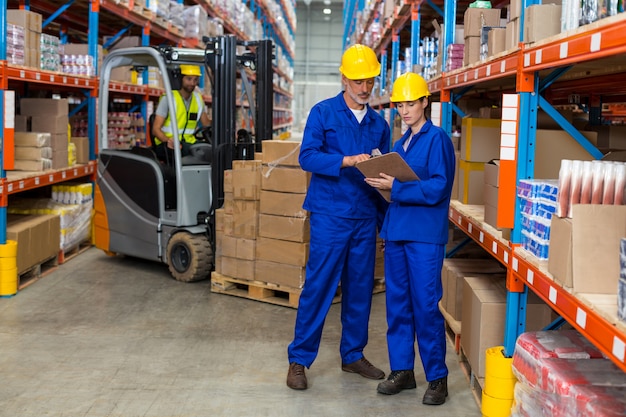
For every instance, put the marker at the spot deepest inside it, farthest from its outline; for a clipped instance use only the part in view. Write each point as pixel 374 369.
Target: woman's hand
pixel 384 182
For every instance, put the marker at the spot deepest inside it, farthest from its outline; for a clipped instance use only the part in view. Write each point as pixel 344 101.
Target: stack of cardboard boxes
pixel 31 23
pixel 41 134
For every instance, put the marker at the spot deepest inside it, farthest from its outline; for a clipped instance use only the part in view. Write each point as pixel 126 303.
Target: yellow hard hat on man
pixel 359 62
pixel 409 87
pixel 190 70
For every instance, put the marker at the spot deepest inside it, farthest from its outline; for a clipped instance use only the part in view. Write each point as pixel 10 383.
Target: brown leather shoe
pixel 296 378
pixel 437 392
pixel 364 368
pixel 397 381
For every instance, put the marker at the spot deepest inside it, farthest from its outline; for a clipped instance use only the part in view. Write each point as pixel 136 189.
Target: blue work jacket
pixel 332 132
pixel 418 210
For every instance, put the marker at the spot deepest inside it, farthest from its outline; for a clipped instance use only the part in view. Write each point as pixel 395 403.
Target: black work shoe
pixel 397 381
pixel 296 378
pixel 437 392
pixel 364 368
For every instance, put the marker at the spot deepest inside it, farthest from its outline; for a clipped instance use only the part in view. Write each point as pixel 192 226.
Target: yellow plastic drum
pixel 497 365
pixel 8 282
pixel 495 407
pixel 9 249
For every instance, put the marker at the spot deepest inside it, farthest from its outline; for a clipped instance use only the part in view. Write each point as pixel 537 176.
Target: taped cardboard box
pixel 295 229
pixel 282 251
pixel 282 204
pixel 281 152
pixel 245 218
pixel 48 123
pixel 480 139
pixel 280 273
pixel 34 139
pixel 471 182
pixel 475 18
pixel 82 149
pixel 44 106
pixel 237 268
pixel 285 179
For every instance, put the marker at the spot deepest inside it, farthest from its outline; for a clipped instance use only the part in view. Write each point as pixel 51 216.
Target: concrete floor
pixel 102 336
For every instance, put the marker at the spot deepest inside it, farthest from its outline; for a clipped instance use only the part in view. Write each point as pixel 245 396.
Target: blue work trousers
pixel 413 290
pixel 341 250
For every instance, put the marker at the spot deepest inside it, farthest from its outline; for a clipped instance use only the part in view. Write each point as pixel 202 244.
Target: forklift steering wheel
pixel 204 134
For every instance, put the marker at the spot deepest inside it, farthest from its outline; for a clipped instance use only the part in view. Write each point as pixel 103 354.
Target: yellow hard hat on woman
pixel 190 70
pixel 359 62
pixel 409 87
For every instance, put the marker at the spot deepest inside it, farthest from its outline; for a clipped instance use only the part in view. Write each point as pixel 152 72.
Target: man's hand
pixel 350 161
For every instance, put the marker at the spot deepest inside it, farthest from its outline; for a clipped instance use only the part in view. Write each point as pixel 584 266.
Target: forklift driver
pixel 190 110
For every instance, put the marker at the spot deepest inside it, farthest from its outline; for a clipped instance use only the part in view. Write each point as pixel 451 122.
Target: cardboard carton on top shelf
pixel 474 19
pixel 25 18
pixel 541 21
pixel 496 41
pixel 480 139
pixel 512 40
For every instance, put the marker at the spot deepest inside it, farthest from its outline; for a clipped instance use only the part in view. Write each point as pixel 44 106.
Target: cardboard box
pixel 560 251
pixel 83 49
pixel 286 180
pixel 453 274
pixel 471 182
pixel 282 204
pixel 541 21
pixel 512 36
pixel 611 137
pixel 474 19
pixel 29 165
pixel 82 149
pixel 44 107
pixel 32 153
pixel 245 218
pixel 280 273
pixel 25 18
pixel 33 139
pixel 237 268
pixel 52 124
pixel 282 251
pixel 496 41
pixel 21 123
pixel 596 234
pixel 492 172
pixel 228 181
pixel 551 146
pixel 37 237
pixel 295 229
pixel 483 318
pixel 480 139
pixel 60 159
pixel 281 152
pixel 246 184
pixel 471 51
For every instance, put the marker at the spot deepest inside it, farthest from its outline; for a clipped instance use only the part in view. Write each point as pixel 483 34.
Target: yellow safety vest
pixel 186 125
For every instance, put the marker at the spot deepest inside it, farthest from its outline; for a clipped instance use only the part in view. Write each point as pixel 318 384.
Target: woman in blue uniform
pixel 344 213
pixel 415 231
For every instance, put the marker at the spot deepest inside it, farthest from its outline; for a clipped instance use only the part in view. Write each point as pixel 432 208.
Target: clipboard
pixel 391 164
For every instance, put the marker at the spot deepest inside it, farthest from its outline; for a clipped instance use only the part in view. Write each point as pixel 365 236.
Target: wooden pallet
pixel 36 272
pixel 453 329
pixel 476 384
pixel 267 292
pixel 255 290
pixel 67 254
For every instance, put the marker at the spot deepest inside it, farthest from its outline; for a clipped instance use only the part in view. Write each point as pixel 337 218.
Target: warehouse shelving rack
pixel 526 70
pixel 122 14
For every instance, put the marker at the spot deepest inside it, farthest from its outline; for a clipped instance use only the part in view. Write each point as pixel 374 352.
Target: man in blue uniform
pixel 344 213
pixel 415 233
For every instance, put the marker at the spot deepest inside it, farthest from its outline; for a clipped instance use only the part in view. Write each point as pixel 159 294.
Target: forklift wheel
pixel 190 257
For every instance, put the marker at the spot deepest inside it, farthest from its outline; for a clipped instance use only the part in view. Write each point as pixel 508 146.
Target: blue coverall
pixel 344 214
pixel 415 231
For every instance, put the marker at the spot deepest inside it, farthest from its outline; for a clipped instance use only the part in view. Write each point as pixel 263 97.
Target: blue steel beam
pixel 56 14
pixel 110 41
pixel 3 57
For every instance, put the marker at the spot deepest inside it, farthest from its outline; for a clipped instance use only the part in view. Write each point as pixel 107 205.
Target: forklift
pixel 165 211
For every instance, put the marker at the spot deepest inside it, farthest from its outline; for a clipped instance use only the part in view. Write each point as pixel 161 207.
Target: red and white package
pixel 609 184
pixel 597 186
pixel 575 188
pixel 587 182
pixel 620 184
pixel 565 182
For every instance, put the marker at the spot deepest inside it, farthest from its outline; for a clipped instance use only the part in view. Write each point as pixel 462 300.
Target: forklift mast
pixel 222 59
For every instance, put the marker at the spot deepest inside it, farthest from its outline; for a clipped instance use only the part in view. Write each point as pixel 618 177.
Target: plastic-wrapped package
pixel 560 376
pixel 565 182
pixel 576 185
pixel 620 184
pixel 609 184
pixel 532 347
pixel 586 185
pixel 597 187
